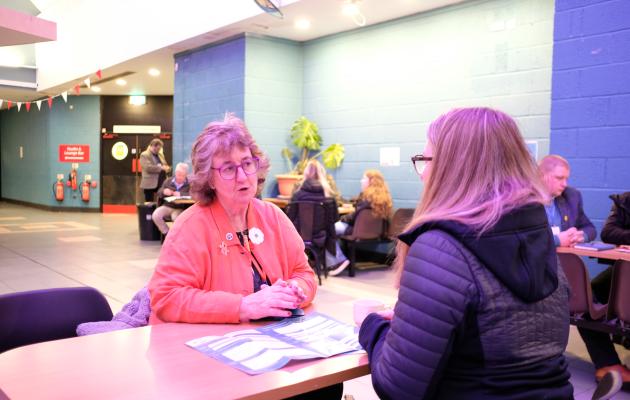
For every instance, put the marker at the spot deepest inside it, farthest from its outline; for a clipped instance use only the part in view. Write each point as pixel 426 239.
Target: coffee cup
pixel 363 307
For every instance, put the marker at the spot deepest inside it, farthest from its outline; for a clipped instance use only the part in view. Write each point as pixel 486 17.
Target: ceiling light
pixel 137 100
pixel 96 89
pixel 154 72
pixel 351 9
pixel 302 23
pixel 121 82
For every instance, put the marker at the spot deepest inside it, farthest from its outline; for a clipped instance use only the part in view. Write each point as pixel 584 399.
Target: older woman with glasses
pixel 230 257
pixel 482 310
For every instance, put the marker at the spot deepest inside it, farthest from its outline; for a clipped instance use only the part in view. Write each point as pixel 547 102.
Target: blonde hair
pixel 550 162
pixel 315 170
pixel 377 194
pixel 481 169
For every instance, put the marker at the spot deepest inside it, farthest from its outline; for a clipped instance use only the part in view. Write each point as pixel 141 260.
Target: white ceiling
pixel 325 16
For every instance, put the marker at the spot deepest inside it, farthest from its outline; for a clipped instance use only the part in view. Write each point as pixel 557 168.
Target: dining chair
pixel 581 297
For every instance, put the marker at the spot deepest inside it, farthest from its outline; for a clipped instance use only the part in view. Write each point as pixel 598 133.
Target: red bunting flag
pixel 28 106
pixel 99 74
pixel 49 102
pixel 77 89
pixel 9 104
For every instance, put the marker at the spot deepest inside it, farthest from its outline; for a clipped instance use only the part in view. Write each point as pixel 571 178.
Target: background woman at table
pixel 482 310
pixel 316 188
pixel 230 257
pixel 374 196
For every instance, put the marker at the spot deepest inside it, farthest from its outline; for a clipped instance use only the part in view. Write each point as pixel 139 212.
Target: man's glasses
pixel 249 166
pixel 419 161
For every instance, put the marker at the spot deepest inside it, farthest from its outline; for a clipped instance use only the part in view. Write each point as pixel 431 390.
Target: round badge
pixel 229 236
pixel 120 151
pixel 256 236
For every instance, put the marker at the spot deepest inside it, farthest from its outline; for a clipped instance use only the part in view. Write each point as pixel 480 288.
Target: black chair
pixel 367 228
pixel 48 314
pixel 314 222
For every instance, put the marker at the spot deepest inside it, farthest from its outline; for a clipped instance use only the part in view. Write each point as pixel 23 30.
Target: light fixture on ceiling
pixel 154 72
pixel 95 89
pixel 121 82
pixel 352 9
pixel 136 100
pixel 302 23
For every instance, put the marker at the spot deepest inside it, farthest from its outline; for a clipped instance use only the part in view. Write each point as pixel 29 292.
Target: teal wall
pixel 40 133
pixel 380 86
pixel 273 97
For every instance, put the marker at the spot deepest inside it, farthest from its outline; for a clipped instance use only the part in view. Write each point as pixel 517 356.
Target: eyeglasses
pixel 419 161
pixel 249 166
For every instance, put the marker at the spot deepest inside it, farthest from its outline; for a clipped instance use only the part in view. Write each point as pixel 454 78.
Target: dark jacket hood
pixel 622 200
pixel 519 250
pixel 312 186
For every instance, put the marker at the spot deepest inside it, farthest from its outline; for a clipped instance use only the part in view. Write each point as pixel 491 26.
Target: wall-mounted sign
pixel 532 147
pixel 120 150
pixel 389 156
pixel 74 153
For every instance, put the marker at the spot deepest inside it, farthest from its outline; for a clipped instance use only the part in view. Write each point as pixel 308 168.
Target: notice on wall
pixel 532 147
pixel 74 153
pixel 389 156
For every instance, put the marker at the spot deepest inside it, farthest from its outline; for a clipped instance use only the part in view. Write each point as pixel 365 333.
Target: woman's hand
pixel 270 301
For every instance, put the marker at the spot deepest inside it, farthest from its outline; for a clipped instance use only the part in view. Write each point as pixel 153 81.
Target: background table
pixel 154 362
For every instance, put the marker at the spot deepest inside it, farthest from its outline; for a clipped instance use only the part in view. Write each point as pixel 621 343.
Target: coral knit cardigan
pixel 203 271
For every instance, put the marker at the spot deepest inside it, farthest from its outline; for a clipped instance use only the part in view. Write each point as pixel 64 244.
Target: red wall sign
pixel 74 153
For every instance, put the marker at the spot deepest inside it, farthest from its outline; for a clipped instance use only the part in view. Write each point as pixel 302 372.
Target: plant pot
pixel 286 182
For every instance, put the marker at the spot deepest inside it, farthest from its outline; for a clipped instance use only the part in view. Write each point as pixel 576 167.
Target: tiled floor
pixel 40 249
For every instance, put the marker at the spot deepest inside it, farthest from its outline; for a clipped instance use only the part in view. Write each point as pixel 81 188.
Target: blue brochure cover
pixel 271 347
pixel 598 246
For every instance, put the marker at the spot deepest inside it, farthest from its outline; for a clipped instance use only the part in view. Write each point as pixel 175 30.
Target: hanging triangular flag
pixel 1 101
pixel 99 74
pixel 19 105
pixel 49 102
pixel 28 106
pixel 87 82
pixel 77 89
pixel 9 103
pixel 65 96
pixel 39 105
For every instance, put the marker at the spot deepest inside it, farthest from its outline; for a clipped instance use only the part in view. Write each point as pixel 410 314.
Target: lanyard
pixel 252 258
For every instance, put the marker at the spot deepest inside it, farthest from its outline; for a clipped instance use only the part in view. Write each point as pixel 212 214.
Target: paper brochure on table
pixel 271 347
pixel 173 198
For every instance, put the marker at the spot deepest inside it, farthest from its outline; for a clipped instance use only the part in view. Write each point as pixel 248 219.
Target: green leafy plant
pixel 305 136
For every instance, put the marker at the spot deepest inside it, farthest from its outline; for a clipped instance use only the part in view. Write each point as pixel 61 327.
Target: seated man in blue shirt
pixel 566 216
pixel 175 186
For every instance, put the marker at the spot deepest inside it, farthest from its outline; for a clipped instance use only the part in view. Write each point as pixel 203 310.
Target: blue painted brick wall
pixel 590 109
pixel 208 83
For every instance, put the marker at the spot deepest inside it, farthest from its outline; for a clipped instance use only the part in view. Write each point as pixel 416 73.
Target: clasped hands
pixel 571 237
pixel 276 300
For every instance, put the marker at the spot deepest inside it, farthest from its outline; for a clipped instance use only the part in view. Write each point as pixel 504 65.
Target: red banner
pixel 74 153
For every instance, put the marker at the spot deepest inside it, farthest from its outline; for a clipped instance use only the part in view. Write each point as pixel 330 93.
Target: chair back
pixel 48 314
pixel 311 218
pixel 368 226
pixel 581 297
pixel 401 218
pixel 620 301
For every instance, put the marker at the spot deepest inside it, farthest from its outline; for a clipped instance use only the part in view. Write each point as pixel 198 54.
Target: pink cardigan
pixel 203 271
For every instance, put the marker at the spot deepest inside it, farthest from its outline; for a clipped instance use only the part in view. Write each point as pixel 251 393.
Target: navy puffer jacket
pixel 477 317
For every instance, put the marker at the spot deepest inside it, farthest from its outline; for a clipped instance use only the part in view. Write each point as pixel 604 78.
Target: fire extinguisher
pixel 72 179
pixel 58 190
pixel 85 191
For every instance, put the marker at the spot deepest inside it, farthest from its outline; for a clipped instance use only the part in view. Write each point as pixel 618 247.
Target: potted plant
pixel 305 136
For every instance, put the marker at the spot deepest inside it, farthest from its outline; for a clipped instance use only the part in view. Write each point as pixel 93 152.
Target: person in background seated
pixel 154 169
pixel 175 186
pixel 315 187
pixel 601 349
pixel 566 216
pixel 483 308
pixel 616 230
pixel 374 196
pixel 230 257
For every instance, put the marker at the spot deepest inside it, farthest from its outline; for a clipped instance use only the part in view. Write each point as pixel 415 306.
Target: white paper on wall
pixel 389 157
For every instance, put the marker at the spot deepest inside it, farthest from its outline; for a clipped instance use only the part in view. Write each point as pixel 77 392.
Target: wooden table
pixel 283 203
pixel 607 254
pixel 154 362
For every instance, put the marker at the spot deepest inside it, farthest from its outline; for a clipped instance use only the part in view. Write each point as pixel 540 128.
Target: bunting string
pixel 49 99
